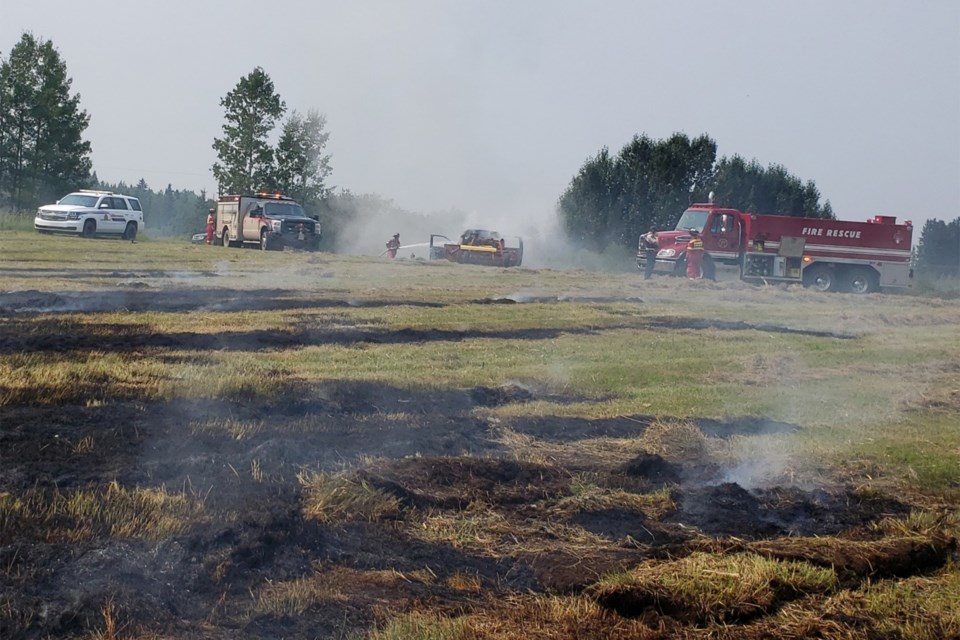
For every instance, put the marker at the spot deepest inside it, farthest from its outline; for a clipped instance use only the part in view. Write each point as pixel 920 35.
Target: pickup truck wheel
pixel 861 280
pixel 89 228
pixel 820 277
pixel 263 240
pixel 130 231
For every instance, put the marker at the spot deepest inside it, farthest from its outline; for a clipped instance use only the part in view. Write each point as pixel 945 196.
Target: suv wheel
pixel 89 228
pixel 130 232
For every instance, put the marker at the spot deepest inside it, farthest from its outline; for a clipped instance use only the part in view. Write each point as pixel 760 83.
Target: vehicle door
pixel 119 213
pixel 252 221
pixel 723 235
pixel 136 213
pixel 105 215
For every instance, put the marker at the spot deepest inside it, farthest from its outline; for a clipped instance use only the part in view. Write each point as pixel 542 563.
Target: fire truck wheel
pixel 861 280
pixel 820 277
pixel 709 268
pixel 680 268
pixel 225 237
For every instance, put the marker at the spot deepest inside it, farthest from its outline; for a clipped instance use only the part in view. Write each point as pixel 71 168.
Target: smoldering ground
pixel 460 502
pixel 374 221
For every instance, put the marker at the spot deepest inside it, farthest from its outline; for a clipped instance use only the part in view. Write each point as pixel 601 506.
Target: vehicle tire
pixel 89 228
pixel 264 240
pixel 130 231
pixel 680 268
pixel 820 277
pixel 709 268
pixel 861 280
pixel 225 237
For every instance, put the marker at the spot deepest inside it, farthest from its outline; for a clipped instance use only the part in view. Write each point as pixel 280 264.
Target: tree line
pixel 615 198
pixel 609 202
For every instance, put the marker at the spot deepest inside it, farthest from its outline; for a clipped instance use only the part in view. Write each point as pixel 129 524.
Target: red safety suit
pixel 695 258
pixel 392 245
pixel 211 221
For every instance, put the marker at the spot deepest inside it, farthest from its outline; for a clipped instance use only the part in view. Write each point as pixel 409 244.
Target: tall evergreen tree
pixel 302 167
pixel 42 151
pixel 245 157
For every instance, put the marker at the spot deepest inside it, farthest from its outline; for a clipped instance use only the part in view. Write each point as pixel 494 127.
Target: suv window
pixel 104 203
pixel 77 199
pixel 135 204
pixel 119 203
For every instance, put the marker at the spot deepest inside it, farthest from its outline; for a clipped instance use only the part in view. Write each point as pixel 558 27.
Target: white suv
pixel 91 213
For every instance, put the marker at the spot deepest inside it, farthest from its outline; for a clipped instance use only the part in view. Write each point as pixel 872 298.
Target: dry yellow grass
pixel 677 441
pixel 333 498
pixel 113 510
pixel 706 587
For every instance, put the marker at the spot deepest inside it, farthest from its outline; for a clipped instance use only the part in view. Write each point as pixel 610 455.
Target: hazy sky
pixel 492 106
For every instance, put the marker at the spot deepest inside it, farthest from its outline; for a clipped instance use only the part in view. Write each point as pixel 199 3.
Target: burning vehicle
pixel 478 246
pixel 271 220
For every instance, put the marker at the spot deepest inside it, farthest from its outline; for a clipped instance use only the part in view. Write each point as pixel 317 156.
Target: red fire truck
pixel 828 255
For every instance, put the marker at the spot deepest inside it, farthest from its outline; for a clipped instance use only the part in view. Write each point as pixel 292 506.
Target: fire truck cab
pixel 828 255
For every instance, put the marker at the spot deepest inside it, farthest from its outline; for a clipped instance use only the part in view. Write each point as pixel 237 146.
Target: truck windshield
pixel 75 199
pixel 692 219
pixel 282 209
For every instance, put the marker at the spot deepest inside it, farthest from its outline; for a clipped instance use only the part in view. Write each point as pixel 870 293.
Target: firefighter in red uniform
pixel 211 221
pixel 695 256
pixel 393 244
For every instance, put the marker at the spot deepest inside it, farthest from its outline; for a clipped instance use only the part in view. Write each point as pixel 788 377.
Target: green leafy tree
pixel 301 165
pixel 613 199
pixel 747 186
pixel 245 157
pixel 938 252
pixel 42 151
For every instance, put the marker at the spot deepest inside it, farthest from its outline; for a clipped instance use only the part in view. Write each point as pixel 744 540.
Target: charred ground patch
pixel 49 334
pixel 727 509
pixel 455 483
pixel 174 299
pixel 671 322
pixel 495 523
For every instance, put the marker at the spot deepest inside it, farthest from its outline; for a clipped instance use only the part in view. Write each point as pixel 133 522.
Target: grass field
pixel 202 442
